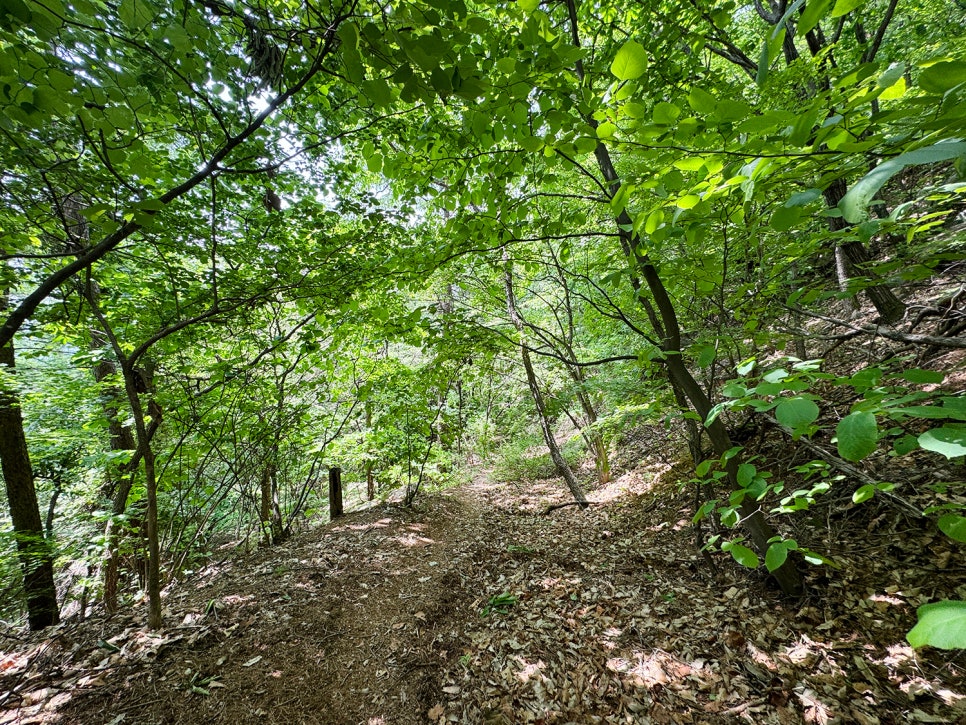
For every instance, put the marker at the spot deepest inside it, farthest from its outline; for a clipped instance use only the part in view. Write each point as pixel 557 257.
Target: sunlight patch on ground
pixel 413 541
pixel 380 524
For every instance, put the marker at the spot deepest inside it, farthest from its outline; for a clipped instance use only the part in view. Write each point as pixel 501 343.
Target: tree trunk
pixel 667 327
pixel 563 468
pixel 265 509
pixel 36 558
pixel 117 483
pixel 595 441
pixel 370 478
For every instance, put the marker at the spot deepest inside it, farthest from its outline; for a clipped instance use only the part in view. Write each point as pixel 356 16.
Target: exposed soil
pixel 610 615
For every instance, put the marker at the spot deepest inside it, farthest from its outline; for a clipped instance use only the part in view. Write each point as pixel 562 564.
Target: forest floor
pixel 480 606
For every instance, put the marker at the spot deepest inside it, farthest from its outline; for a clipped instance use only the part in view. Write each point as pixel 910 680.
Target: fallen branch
pixel 845 467
pixel 958 343
pixel 556 506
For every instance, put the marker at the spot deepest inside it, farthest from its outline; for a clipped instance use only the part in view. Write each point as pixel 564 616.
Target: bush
pixel 526 458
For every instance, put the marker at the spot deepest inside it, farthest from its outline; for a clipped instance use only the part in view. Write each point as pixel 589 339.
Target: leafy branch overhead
pixel 264 262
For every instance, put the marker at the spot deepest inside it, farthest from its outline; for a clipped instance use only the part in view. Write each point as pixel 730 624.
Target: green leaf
pixel 764 62
pixel 746 474
pixel 814 12
pixel 688 201
pixel 630 61
pixel 802 198
pixel 890 75
pixel 954 526
pixel 744 556
pixel 863 493
pixel 606 130
pixel 947 441
pixel 378 91
pixel 857 434
pixel 845 6
pixel 854 203
pixel 940 77
pixel 665 113
pixel 528 6
pixel 797 413
pixel 633 109
pixel 776 555
pixel 531 143
pixel 917 375
pixel 786 217
pixel 701 101
pixel 905 445
pixel 941 625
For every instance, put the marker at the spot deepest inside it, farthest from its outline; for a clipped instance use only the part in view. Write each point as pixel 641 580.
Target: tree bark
pixel 117 485
pixel 36 558
pixel 563 468
pixel 665 324
pixel 889 307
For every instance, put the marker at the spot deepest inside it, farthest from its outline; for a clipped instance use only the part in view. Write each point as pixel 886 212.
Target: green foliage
pixel 499 604
pixel 526 459
pixel 941 624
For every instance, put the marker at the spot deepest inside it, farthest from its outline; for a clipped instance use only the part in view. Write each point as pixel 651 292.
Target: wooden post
pixel 335 493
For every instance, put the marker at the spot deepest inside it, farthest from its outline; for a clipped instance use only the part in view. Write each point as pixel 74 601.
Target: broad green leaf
pixel 905 445
pixel 854 204
pixel 744 556
pixel 947 441
pixel 746 474
pixel 665 113
pixel 918 375
pixel 701 101
pixel 734 390
pixel 896 90
pixel 378 91
pixel 797 413
pixel 933 412
pixel 606 130
pixel 857 435
pixel 654 221
pixel 630 61
pixel 528 6
pixel 940 77
pixel 532 143
pixel 785 217
pixel 863 493
pixel 764 62
pixel 941 625
pixel 814 12
pixel 776 555
pixel 775 376
pixel 689 201
pixel 845 6
pixel 632 109
pixel 954 526
pixel 890 75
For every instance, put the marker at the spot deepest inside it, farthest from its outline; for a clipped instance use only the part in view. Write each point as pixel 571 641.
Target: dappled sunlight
pixel 411 540
pixel 369 526
pixel 238 599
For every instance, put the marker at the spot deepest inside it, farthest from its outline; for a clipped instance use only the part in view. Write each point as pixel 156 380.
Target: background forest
pixel 245 242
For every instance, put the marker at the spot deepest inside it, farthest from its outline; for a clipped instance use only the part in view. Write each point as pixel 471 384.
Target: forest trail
pixel 381 618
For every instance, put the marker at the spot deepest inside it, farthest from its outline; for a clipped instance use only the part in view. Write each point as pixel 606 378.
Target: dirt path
pixel 611 617
pixel 352 623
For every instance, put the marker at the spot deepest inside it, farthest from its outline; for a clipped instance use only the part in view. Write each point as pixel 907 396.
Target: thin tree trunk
pixel 134 383
pixel 563 468
pixel 151 484
pixel 666 325
pixel 33 549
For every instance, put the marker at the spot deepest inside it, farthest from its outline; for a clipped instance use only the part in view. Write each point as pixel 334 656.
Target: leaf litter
pixel 481 607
